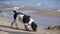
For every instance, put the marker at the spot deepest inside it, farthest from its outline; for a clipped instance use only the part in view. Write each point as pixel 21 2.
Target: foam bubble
pixel 39 4
pixel 15 8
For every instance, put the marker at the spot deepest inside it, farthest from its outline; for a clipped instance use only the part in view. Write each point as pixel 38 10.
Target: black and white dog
pixel 27 20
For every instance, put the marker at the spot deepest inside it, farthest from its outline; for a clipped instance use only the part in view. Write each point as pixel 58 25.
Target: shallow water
pixel 39 19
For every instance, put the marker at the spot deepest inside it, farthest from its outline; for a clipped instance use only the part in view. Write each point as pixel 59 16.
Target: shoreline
pixel 44 12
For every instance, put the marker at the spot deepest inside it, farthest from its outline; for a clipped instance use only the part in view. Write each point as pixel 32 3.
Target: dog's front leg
pixel 26 26
pixel 12 23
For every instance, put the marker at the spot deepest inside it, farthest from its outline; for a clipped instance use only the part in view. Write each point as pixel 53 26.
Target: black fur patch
pixel 26 19
pixel 34 26
pixel 16 14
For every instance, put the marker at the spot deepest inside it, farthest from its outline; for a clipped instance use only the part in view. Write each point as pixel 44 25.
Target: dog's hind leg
pixel 16 22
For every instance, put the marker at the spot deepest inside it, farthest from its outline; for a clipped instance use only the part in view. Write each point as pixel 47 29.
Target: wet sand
pixel 49 13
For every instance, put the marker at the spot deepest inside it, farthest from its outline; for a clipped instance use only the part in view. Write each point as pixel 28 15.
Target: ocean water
pixel 47 4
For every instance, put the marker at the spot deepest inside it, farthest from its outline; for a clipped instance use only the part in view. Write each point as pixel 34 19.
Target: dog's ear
pixel 14 11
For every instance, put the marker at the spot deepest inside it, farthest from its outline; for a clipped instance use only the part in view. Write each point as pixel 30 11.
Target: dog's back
pixel 16 14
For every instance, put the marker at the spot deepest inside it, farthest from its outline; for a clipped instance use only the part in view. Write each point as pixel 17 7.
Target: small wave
pixel 39 4
pixel 11 8
pixel 58 10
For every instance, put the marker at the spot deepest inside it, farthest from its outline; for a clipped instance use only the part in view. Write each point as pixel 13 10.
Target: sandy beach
pixel 6 29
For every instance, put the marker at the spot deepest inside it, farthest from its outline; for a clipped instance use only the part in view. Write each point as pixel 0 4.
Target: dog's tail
pixel 34 26
pixel 14 11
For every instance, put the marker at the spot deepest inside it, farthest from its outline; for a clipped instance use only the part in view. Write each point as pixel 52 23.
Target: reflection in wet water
pixel 39 19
